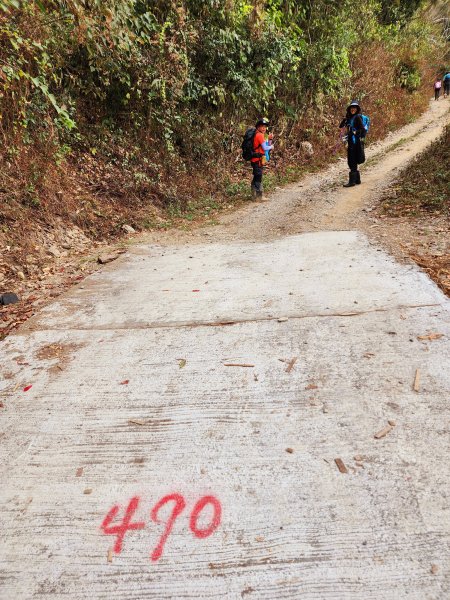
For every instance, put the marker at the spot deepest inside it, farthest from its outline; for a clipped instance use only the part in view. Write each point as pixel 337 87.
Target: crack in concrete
pixel 228 322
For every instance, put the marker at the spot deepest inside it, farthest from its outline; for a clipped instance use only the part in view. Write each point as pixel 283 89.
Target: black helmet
pixel 262 121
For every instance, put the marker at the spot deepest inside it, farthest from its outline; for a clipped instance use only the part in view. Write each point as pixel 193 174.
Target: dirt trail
pixel 319 202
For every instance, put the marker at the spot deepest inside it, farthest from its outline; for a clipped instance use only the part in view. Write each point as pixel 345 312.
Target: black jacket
pixel 358 127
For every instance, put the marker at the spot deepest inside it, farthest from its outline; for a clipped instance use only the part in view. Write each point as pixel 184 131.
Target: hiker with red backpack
pixel 356 126
pixel 256 149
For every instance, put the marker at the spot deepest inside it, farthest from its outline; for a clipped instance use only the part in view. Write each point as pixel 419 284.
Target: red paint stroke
pixel 28 387
pixel 195 290
pixel 125 382
pixel 201 504
pixel 177 509
pixel 126 525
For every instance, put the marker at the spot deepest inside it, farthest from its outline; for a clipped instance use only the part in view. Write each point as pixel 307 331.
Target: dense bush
pixel 159 65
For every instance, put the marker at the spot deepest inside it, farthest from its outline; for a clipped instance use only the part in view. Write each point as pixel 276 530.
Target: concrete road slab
pixel 295 276
pixel 236 464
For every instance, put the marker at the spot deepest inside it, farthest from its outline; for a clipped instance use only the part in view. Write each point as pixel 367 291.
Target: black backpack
pixel 247 145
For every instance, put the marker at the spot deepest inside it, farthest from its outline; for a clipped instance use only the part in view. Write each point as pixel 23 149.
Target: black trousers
pixel 437 93
pixel 447 87
pixel 257 176
pixel 355 154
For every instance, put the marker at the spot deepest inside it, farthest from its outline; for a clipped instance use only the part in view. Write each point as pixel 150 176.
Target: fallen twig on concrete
pixel 311 386
pixel 416 386
pixel 136 422
pixel 340 465
pixel 380 434
pixel 430 336
pixel 291 364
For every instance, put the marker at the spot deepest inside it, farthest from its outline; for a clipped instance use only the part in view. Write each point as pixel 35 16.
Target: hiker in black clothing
pixel 355 139
pixel 446 81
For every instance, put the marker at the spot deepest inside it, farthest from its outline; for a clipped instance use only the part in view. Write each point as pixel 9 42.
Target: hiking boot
pixel 351 180
pixel 358 178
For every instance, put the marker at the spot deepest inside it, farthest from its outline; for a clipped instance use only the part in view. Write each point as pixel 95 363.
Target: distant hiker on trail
pixel 437 88
pixel 446 84
pixel 356 132
pixel 256 149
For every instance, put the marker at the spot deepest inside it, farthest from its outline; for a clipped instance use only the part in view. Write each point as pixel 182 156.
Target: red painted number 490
pixel 179 505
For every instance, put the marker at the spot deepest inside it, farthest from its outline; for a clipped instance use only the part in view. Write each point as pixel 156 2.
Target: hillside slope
pixel 419 201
